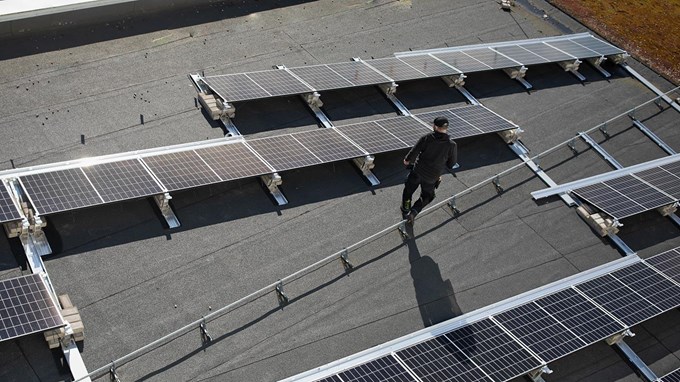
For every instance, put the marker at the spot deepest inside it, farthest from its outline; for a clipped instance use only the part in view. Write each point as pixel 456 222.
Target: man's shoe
pixel 404 213
pixel 411 217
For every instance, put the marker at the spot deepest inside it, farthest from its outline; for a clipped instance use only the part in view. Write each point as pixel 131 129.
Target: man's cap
pixel 441 122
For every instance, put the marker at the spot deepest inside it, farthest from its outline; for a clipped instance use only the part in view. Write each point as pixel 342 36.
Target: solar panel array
pixel 8 209
pixel 61 189
pixel 634 193
pixel 407 66
pixel 673 376
pixel 527 335
pixel 26 307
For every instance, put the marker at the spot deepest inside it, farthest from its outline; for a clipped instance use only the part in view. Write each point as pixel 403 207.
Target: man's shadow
pixel 435 296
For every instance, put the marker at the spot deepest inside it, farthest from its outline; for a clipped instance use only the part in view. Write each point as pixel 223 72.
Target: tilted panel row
pixel 72 187
pixel 634 193
pixel 407 66
pixel 673 376
pixel 9 211
pixel 524 336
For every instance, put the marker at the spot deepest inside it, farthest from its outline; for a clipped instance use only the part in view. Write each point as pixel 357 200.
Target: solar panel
pixel 358 73
pixel 279 82
pixel 520 54
pixel 491 58
pixel 235 87
pixel 673 376
pixel 482 118
pixel 385 369
pixel 540 331
pixel 462 61
pixel 26 307
pixel 408 130
pixel 429 65
pixel 372 138
pixel 181 170
pixel 574 49
pixel 328 145
pixel 618 299
pixel 283 152
pixel 122 180
pixel 332 378
pixel 233 161
pixel 458 128
pixel 597 45
pixel 321 77
pixel 61 190
pixel 439 360
pixel 396 69
pixel 8 210
pixel 661 179
pixel 579 315
pixel 489 347
pixel 547 52
pixel 667 263
pixel 650 285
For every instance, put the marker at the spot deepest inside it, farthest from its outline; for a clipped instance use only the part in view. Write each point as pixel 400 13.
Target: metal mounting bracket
pixel 231 130
pixel 272 182
pixel 497 184
pixel 653 137
pixel 604 154
pixel 283 299
pixel 537 375
pixel 572 67
pixel 518 74
pixel 453 207
pixel 603 130
pixel 313 101
pixel 572 146
pixel 200 86
pixel 344 258
pixel 618 337
pixel 112 373
pixel 30 228
pixel 163 203
pixel 389 90
pixel 365 165
pixel 634 360
pixel 596 62
pixel 205 337
pixel 455 81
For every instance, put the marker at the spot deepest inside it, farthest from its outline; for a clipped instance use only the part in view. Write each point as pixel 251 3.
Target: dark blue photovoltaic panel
pixel 541 332
pixel 332 378
pixel 8 210
pixel 650 285
pixel 127 179
pixel 439 360
pixel 673 376
pixel 62 190
pixel 667 263
pixel 385 369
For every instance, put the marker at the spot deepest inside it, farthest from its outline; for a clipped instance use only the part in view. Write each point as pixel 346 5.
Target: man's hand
pixel 406 163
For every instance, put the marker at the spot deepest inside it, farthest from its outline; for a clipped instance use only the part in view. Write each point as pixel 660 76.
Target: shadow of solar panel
pixel 609 200
pixel 583 318
pixel 649 284
pixel 332 378
pixel 541 332
pixel 662 179
pixel 396 69
pixel 279 82
pixel 597 45
pixel 482 118
pixel 493 350
pixel 547 52
pixel 618 299
pixel 181 170
pixel 385 369
pixel 122 180
pixel 457 127
pixel 372 138
pixel 440 360
pixel 574 49
pixel 321 77
pixel 491 58
pixel 462 61
pixel 8 210
pixel 26 307
pixel 673 376
pixel 62 190
pixel 236 87
pixel 358 73
pixel 283 152
pixel 429 65
pixel 520 54
pixel 328 145
pixel 667 263
pixel 233 161
pixel 408 130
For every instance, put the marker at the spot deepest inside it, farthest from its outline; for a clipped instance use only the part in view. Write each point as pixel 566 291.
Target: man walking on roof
pixel 433 154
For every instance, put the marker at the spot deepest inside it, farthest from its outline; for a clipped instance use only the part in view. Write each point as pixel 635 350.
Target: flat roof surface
pixel 134 281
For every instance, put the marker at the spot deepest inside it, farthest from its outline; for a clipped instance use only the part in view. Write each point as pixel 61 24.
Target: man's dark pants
pixel 426 192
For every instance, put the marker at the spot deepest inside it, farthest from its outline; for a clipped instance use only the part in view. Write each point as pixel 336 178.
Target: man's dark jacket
pixel 434 154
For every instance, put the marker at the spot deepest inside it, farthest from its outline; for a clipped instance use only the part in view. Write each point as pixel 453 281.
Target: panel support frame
pixel 163 203
pixel 596 63
pixel 650 86
pixel 634 361
pixel 389 90
pixel 313 101
pixel 518 74
pixel 572 67
pixel 272 182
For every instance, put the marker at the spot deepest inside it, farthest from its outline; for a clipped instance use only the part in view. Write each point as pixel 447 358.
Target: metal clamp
pixel 112 373
pixel 536 375
pixel 163 203
pixel 497 184
pixel 344 258
pixel 572 146
pixel 616 338
pixel 205 337
pixel 452 205
pixel 365 165
pixel 283 299
pixel 603 127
